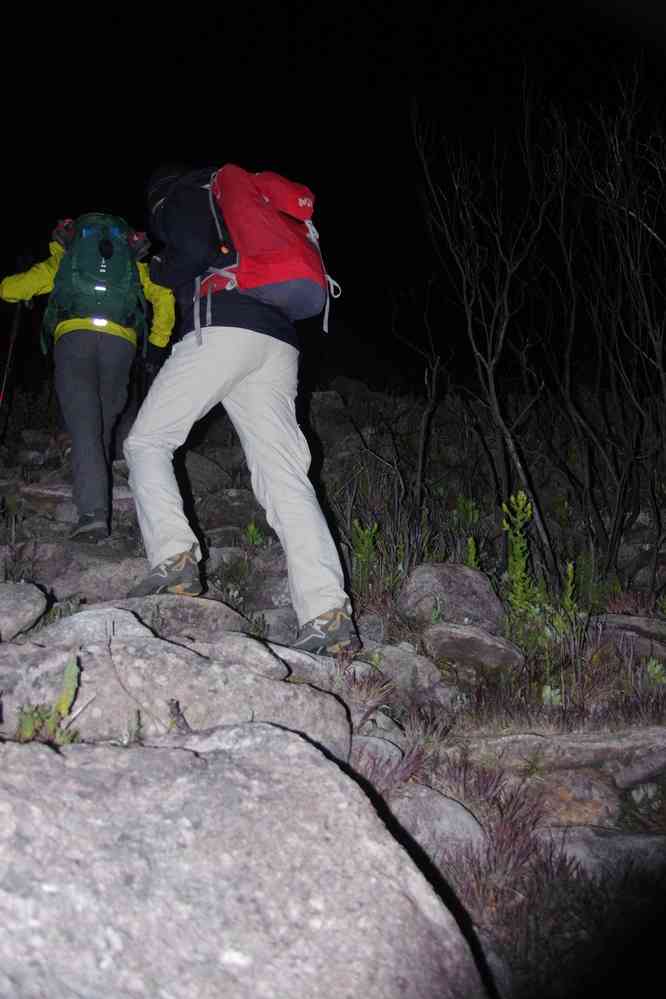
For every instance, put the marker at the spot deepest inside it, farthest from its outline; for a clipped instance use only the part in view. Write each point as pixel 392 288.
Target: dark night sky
pixel 93 106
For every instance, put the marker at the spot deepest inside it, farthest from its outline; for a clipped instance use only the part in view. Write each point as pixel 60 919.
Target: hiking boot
pixel 329 634
pixel 178 574
pixel 91 527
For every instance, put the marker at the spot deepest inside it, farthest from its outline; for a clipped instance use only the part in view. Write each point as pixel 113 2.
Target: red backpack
pixel 277 256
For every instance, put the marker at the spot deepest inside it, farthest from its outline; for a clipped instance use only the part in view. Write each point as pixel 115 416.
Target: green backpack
pixel 98 277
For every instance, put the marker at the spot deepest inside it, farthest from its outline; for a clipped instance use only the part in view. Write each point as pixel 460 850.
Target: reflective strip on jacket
pixel 39 280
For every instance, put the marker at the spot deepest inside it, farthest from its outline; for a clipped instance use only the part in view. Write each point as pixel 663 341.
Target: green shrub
pixel 47 723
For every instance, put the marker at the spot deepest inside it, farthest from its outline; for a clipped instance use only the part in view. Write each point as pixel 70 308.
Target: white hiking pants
pixel 255 377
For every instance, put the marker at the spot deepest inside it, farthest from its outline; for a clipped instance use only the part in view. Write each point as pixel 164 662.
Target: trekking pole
pixel 16 321
pixel 23 262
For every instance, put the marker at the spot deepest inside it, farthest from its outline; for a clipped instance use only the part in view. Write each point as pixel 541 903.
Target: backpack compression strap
pixel 198 281
pixel 333 289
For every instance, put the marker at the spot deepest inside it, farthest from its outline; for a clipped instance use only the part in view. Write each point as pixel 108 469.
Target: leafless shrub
pixel 369 690
pixel 460 777
pixel 428 726
pixel 631 602
pixel 493 880
pixel 389 777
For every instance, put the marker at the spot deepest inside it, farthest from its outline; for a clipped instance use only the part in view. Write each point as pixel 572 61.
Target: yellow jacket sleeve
pixel 38 280
pixel 164 308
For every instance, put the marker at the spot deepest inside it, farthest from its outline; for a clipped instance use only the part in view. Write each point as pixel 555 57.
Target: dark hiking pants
pixel 92 373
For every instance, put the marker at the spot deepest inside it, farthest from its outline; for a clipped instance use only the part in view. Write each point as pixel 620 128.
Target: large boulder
pixel 465 645
pixel 453 593
pixel 241 864
pixel 21 606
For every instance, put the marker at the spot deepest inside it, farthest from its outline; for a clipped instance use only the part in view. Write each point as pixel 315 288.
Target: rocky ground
pixel 409 839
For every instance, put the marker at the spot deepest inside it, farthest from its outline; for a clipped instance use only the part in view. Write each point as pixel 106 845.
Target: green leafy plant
pixel 550 629
pixel 364 554
pixel 472 555
pixel 655 670
pixel 562 511
pixel 47 723
pixel 373 659
pixel 593 592
pixel 461 530
pixel 253 535
pixel 562 617
pixel 466 513
pixel 523 593
pixel 551 696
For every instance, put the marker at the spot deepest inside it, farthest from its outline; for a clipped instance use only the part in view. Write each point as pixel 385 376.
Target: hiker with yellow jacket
pixel 97 314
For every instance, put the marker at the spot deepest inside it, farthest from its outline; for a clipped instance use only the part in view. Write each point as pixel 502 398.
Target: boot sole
pixel 178 589
pixel 346 645
pixel 94 534
pixel 183 590
pixel 334 648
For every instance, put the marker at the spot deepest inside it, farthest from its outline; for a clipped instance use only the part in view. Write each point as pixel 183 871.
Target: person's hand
pixel 155 358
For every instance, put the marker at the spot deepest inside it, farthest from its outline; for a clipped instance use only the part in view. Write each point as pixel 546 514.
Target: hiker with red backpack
pixel 242 257
pixel 99 287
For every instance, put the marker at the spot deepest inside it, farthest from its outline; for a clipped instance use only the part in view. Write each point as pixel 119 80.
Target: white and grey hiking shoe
pixel 178 574
pixel 330 634
pixel 91 527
